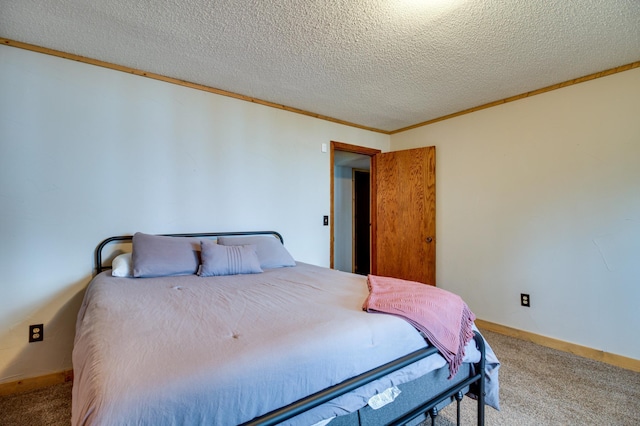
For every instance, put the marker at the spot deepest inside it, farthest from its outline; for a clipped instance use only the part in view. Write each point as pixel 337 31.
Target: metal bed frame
pixel 475 380
pixel 292 410
pixel 99 267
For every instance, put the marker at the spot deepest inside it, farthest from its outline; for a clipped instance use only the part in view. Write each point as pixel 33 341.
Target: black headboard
pixel 128 238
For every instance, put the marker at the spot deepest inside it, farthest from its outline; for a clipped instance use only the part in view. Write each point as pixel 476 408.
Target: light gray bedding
pixel 223 350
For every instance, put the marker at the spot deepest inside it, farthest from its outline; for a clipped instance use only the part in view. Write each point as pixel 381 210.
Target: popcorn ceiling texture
pixel 385 64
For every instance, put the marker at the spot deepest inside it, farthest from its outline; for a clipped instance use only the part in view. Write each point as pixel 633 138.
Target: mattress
pixel 224 350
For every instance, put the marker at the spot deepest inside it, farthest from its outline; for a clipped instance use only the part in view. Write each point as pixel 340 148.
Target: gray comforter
pixel 223 350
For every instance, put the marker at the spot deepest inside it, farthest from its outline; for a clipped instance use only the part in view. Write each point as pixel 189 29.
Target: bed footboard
pixel 475 382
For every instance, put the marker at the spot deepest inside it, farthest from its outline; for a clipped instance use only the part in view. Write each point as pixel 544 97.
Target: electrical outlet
pixel 525 300
pixel 36 333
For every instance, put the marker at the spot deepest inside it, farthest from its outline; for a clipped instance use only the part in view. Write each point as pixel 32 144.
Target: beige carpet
pixel 542 386
pixel 539 386
pixel 50 406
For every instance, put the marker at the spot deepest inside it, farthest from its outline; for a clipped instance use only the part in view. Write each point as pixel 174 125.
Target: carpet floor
pixel 543 386
pixel 538 386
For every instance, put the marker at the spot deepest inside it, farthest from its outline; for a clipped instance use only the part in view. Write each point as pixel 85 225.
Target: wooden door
pixel 405 244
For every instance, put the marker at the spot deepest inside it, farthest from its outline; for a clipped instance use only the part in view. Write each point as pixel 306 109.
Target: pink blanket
pixel 442 317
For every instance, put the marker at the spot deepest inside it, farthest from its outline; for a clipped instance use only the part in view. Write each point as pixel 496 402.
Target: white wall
pixel 343 219
pixel 542 196
pixel 88 152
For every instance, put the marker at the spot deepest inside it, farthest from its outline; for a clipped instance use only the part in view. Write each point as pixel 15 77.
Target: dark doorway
pixel 338 239
pixel 361 222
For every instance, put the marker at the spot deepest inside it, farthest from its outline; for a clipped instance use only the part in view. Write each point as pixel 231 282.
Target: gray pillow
pixel 159 256
pixel 228 260
pixel 271 252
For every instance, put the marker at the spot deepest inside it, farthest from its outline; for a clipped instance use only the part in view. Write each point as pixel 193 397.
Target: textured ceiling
pixel 384 64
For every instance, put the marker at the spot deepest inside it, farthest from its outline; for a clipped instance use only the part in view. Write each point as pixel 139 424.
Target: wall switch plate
pixel 525 300
pixel 36 333
pixel 325 220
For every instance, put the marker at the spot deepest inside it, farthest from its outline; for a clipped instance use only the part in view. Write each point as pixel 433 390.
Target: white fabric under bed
pixel 223 350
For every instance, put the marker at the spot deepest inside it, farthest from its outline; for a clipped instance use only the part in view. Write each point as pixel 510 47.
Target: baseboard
pixel 32 383
pixel 583 351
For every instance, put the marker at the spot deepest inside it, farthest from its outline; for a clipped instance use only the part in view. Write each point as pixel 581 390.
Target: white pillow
pixel 122 266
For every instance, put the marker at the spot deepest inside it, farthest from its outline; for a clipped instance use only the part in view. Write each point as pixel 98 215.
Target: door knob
pixel 429 239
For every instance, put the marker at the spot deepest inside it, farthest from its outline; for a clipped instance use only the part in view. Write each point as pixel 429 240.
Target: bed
pixel 170 334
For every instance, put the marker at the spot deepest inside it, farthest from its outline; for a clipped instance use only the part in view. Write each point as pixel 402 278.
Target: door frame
pixel 371 152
